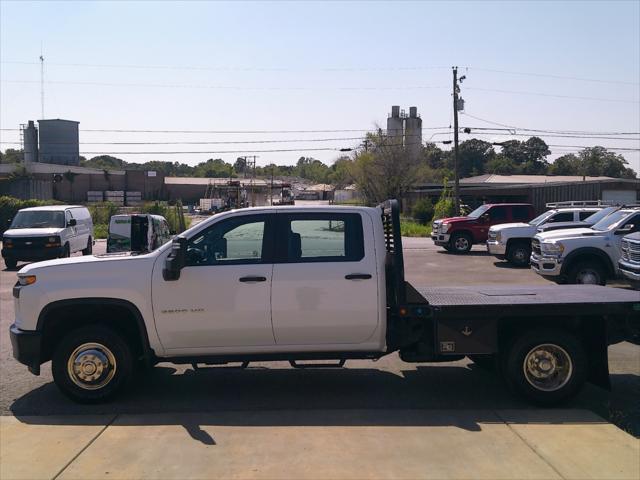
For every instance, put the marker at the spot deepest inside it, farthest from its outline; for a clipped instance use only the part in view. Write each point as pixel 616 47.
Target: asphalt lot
pixel 387 384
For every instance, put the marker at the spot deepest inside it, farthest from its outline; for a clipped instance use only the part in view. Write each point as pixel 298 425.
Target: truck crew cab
pixel 459 234
pixel 299 284
pixel 512 241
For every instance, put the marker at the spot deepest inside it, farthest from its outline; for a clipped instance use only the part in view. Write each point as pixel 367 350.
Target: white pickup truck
pixel 301 284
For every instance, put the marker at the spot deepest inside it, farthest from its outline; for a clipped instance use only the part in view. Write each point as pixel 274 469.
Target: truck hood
pixel 81 264
pixel 31 232
pixel 504 226
pixel 560 225
pixel 455 219
pixel 571 233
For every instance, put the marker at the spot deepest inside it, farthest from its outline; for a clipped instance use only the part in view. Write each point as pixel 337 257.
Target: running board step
pixel 340 364
pixel 242 366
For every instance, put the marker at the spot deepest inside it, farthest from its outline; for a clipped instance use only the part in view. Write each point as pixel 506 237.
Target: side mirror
pixel 176 260
pixel 625 229
pixel 72 222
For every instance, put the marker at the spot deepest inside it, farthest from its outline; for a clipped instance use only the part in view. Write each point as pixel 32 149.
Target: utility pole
pixel 456 185
pixel 253 175
pixel 271 189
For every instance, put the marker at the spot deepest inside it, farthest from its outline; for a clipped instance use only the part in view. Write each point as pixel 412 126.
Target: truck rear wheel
pixel 546 366
pixel 89 249
pixel 91 364
pixel 461 243
pixel 11 263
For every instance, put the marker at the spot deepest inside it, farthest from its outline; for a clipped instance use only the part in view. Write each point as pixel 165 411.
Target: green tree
pixel 529 156
pixel 422 211
pixel 598 161
pixel 12 155
pixel 565 165
pixel 473 155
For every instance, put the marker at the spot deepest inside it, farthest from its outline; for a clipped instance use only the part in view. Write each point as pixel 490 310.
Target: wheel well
pixel 588 256
pixel 59 319
pixel 516 241
pixel 463 232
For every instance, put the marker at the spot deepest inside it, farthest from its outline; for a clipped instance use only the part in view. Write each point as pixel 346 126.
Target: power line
pixel 551 75
pixel 104 130
pixel 552 95
pixel 325 69
pixel 227 87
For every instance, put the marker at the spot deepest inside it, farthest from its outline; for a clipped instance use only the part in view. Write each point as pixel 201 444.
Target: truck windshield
pixel 478 211
pixel 599 215
pixel 611 221
pixel 540 219
pixel 38 219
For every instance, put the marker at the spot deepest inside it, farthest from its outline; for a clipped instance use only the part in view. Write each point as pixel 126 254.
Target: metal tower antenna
pixel 41 83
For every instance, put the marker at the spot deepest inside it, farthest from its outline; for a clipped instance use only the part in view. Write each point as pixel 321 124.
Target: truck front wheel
pixel 461 243
pixel 91 364
pixel 546 366
pixel 519 254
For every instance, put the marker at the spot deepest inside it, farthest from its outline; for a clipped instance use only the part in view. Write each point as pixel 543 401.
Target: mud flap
pixel 595 345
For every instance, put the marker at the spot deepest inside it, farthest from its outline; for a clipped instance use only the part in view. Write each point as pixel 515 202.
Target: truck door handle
pixel 358 276
pixel 252 279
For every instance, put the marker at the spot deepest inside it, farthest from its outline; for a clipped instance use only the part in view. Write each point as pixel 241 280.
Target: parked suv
pixel 512 241
pixel 43 233
pixel 629 263
pixel 459 234
pixel 584 255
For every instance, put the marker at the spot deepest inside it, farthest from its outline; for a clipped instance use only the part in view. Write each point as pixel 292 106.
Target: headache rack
pixel 394 260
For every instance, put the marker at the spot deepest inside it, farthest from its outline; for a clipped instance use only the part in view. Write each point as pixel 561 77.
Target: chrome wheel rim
pixel 91 366
pixel 547 367
pixel 588 277
pixel 520 255
pixel 461 243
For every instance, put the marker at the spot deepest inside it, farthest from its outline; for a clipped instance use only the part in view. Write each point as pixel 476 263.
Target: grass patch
pixel 100 230
pixel 411 228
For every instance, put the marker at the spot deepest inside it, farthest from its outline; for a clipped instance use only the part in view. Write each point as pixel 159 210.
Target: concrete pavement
pixel 491 444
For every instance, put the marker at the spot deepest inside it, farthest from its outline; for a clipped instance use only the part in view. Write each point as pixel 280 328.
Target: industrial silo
pixel 59 142
pixel 30 139
pixel 395 128
pixel 413 132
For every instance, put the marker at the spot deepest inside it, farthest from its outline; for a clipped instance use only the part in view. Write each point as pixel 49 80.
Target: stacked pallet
pixel 114 196
pixel 95 196
pixel 133 198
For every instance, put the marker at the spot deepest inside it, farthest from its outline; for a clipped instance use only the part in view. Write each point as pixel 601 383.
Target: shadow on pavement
pixel 465 397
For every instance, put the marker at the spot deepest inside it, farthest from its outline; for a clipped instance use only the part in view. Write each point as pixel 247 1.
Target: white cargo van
pixel 43 233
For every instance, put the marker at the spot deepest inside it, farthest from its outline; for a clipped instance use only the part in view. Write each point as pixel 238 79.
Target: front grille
pixel 631 251
pixel 535 247
pixel 33 242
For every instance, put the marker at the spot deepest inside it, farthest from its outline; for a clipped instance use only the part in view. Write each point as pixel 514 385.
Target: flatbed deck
pixel 524 295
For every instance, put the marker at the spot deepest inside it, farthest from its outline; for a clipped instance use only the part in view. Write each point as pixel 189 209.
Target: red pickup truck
pixel 459 234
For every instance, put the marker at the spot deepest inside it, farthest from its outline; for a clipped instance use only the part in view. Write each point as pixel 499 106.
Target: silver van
pixel 43 233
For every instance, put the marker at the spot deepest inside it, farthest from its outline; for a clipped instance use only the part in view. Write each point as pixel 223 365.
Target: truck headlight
pixel 552 248
pixel 26 279
pixel 444 227
pixel 53 242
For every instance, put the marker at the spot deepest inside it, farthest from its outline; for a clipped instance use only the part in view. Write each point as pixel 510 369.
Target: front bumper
pixel 440 239
pixel 546 266
pixel 26 347
pixel 32 254
pixel 629 270
pixel 496 248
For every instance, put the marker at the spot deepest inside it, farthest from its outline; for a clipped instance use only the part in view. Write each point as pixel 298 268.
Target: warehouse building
pixel 535 189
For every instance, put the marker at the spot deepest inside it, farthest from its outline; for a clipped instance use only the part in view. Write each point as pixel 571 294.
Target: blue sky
pixel 317 66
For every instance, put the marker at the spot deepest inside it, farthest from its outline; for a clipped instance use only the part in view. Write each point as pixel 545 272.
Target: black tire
pixel 11 263
pixel 89 249
pixel 447 247
pixel 99 343
pixel 485 362
pixel 557 383
pixel 587 273
pixel 461 243
pixel 66 252
pixel 519 254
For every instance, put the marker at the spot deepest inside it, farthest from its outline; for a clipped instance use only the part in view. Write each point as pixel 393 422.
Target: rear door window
pixel 498 214
pixel 520 214
pixel 321 238
pixel 585 215
pixel 562 217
